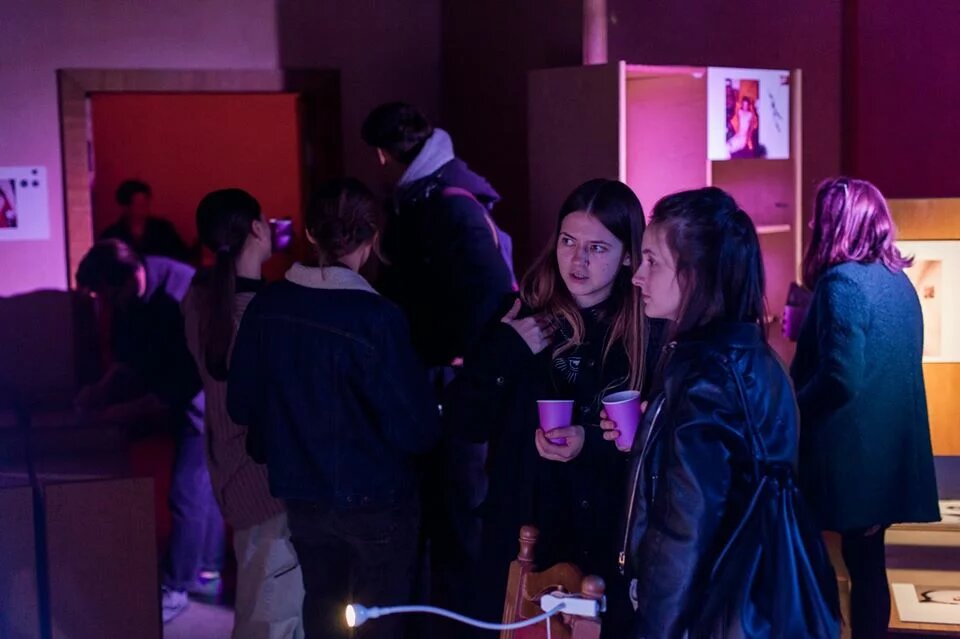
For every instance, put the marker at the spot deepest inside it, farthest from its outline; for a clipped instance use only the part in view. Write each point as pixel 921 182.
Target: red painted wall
pixel 186 145
pixel 902 93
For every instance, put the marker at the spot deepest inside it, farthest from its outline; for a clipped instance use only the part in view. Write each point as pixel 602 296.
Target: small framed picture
pixel 23 203
pixel 934 276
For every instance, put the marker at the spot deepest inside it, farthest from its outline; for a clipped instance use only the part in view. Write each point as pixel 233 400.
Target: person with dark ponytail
pixel 324 374
pixel 717 539
pixel 269 582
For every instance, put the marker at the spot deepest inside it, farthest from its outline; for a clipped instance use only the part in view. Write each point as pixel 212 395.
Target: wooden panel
pixel 19 606
pixel 574 134
pixel 762 188
pixel 943 404
pixel 927 219
pixel 666 135
pixel 103 560
pixel 766 190
pixel 935 219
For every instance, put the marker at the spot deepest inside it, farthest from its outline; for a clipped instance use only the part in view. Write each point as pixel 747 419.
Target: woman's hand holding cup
pixel 573 437
pixel 629 410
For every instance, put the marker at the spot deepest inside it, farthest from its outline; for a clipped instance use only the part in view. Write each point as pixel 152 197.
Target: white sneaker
pixel 173 602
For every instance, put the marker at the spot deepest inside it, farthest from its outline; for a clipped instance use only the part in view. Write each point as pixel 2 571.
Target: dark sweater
pixel 865 454
pixel 325 377
pixel 148 336
pixel 445 270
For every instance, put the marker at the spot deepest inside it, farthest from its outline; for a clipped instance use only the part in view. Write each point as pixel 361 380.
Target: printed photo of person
pixel 8 204
pixel 927 278
pixel 743 121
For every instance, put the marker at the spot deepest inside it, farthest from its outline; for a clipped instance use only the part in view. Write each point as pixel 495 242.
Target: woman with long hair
pixel 716 539
pixel 269 584
pixel 865 455
pixel 576 333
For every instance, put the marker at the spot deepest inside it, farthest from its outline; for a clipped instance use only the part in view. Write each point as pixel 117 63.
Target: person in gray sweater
pixel 865 456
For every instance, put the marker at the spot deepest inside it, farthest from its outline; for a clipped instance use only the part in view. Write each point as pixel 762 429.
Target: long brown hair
pixel 616 206
pixel 224 221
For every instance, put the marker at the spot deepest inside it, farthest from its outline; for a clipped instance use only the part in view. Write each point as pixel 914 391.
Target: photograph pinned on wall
pixel 748 114
pixel 24 213
pixel 939 297
pixel 927 604
pixel 8 204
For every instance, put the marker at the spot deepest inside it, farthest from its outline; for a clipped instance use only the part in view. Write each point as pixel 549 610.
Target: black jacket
pixel 577 504
pixel 713 477
pixel 444 268
pixel 149 337
pixel 336 402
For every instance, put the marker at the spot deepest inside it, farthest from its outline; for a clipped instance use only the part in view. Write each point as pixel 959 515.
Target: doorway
pixel 312 140
pixel 184 145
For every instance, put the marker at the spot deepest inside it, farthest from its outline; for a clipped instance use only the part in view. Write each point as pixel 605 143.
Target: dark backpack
pixel 501 238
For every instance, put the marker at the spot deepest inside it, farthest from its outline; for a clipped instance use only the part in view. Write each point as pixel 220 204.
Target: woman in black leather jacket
pixel 716 537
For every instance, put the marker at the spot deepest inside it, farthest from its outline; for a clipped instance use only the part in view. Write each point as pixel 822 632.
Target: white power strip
pixel 573 604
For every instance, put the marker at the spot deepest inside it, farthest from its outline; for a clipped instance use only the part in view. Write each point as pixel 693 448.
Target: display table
pixel 946 578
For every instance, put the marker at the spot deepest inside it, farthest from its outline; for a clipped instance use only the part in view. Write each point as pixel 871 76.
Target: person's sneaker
pixel 173 603
pixel 208 585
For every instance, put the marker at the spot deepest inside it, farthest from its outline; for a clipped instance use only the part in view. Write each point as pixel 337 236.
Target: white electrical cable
pixel 373 613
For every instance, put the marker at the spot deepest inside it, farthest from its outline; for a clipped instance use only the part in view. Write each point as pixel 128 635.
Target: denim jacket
pixel 324 375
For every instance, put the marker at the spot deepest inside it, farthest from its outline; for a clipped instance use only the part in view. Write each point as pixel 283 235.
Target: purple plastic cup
pixel 793 317
pixel 555 413
pixel 624 409
pixel 281 233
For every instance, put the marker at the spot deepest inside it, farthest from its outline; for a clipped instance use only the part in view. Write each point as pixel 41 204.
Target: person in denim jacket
pixel 324 375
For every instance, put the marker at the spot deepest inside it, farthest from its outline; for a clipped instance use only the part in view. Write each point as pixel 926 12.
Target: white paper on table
pixel 911 608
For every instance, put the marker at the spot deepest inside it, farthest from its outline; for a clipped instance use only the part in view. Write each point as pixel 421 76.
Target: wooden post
pixel 594 31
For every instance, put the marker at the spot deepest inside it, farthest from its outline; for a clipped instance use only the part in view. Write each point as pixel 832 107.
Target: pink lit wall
pixel 41 36
pixel 902 94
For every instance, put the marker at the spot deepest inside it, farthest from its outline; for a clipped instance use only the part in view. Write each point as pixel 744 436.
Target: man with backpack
pixel 448 266
pixel 444 265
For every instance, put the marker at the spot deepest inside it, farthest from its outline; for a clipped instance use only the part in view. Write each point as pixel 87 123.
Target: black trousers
pixel 364 557
pixel 869 591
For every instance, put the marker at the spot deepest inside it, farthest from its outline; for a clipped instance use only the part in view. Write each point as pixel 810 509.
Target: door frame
pixel 318 90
